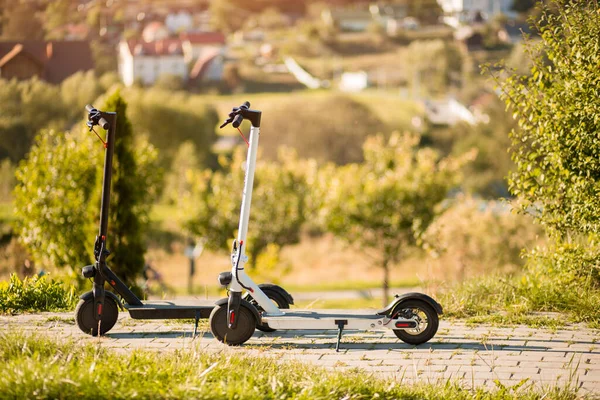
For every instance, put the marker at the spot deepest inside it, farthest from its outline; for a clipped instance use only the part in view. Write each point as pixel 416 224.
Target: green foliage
pixel 433 65
pixel 135 177
pixel 486 175
pixel 35 295
pixel 49 368
pixel 169 82
pixel 279 203
pixel 27 107
pixel 552 283
pixel 477 237
pixel 171 118
pixel 557 107
pixel 331 128
pixel 385 203
pixel 55 187
pixel 58 195
pixel 78 90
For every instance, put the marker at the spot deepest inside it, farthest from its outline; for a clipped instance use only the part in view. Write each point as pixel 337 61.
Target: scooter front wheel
pixel 85 316
pixel 246 324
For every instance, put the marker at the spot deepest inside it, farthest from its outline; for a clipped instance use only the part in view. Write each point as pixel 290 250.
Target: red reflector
pixel 103 237
pixel 113 283
pixel 231 317
pixel 99 309
pixel 403 325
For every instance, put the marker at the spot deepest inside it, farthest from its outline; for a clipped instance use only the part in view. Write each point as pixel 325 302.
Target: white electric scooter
pixel 412 316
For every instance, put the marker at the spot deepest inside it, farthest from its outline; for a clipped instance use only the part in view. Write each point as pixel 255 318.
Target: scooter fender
pixel 393 305
pixel 267 287
pixel 243 303
pixel 90 295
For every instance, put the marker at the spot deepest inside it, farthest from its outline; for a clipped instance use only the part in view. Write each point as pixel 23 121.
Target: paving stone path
pixel 474 355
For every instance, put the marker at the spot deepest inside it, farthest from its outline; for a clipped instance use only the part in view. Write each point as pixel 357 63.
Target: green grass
pixel 35 295
pixel 520 300
pixel 39 367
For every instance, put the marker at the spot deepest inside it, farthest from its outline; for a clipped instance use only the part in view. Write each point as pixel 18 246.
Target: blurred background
pixel 384 148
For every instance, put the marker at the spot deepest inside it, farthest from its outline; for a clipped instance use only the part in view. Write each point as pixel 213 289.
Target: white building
pixel 145 62
pixel 197 45
pixel 459 11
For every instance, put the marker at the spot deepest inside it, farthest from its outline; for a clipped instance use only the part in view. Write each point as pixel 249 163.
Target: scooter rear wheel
pixel 246 324
pixel 427 319
pixel 86 319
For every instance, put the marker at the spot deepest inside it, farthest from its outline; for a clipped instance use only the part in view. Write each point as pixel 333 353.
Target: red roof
pixel 156 48
pixel 203 37
pixel 59 59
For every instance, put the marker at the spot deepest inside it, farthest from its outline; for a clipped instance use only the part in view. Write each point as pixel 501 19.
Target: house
pixel 348 19
pixel 52 61
pixel 198 45
pixel 155 31
pixel 202 52
pixel 146 61
pixel 393 17
pixel 457 12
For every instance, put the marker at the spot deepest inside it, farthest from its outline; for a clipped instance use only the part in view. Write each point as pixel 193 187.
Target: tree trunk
pixel 386 281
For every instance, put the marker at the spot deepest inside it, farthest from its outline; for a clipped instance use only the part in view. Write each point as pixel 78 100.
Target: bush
pixel 35 295
pixel 478 237
pixel 331 128
pixel 552 283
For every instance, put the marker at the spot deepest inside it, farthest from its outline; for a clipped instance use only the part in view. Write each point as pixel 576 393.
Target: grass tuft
pixel 35 294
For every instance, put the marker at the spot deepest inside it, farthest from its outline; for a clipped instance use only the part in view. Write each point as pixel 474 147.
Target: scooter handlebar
pixel 95 117
pixel 235 117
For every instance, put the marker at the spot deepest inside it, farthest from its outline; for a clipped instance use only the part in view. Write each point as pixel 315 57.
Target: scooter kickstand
pixel 196 323
pixel 340 324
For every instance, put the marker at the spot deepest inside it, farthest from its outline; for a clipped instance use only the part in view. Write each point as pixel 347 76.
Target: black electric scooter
pixel 98 309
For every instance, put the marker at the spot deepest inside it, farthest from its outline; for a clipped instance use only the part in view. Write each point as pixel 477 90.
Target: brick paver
pixel 474 355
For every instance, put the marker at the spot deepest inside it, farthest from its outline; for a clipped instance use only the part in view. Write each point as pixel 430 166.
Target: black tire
pixel 85 316
pixel 246 324
pixel 429 321
pixel 277 298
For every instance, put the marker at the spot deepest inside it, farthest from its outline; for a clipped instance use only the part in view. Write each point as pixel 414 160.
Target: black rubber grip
pixel 245 105
pixel 237 121
pixel 104 124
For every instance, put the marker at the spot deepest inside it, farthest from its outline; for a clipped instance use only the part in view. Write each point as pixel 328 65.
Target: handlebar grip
pixel 103 123
pixel 237 121
pixel 89 108
pixel 245 105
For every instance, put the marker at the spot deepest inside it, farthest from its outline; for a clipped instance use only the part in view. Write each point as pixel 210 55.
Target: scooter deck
pixel 159 309
pixel 325 319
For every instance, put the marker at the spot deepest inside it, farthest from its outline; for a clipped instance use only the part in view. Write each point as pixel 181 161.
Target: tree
pixel 279 203
pixel 557 107
pixel 27 107
pixel 385 203
pixel 426 11
pixel 133 183
pixel 57 197
pixel 20 21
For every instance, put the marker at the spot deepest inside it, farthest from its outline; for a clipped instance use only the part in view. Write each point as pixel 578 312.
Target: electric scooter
pixel 413 317
pixel 98 309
